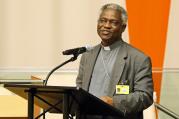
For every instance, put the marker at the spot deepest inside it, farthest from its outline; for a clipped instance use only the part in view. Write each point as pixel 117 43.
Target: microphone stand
pixel 75 55
pixel 57 67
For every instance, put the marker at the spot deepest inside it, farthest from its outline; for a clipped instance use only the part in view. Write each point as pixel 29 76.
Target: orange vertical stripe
pixel 148 22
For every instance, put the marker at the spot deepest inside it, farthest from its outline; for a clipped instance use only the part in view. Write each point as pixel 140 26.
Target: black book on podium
pixel 59 99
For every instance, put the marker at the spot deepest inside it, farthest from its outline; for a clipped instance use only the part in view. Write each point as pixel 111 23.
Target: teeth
pixel 105 32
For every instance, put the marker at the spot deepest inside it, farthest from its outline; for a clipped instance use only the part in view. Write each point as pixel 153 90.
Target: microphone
pixel 77 51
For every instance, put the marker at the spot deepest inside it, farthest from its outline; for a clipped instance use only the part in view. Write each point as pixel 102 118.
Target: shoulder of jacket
pixel 134 51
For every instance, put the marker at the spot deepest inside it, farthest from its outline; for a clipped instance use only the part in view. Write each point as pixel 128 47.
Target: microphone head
pixel 88 48
pixel 78 50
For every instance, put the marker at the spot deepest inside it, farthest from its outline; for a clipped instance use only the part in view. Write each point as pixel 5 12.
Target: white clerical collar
pixel 106 48
pixel 114 45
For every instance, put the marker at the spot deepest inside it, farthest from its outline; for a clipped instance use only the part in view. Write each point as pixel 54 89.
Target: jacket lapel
pixel 118 68
pixel 91 62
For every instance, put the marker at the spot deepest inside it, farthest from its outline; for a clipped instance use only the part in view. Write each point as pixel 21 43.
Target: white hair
pixel 118 8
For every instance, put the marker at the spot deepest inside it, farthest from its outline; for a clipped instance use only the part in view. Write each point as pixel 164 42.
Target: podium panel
pixel 9 100
pixel 67 100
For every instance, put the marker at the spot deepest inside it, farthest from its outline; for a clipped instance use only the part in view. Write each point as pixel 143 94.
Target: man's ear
pixel 123 27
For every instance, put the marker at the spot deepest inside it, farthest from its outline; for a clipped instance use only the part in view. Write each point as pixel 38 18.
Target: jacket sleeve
pixel 79 78
pixel 142 95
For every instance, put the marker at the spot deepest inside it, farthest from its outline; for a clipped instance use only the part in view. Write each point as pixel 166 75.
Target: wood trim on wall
pixel 13 118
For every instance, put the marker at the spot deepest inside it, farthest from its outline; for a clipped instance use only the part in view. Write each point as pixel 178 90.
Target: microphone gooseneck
pixel 75 52
pixel 57 67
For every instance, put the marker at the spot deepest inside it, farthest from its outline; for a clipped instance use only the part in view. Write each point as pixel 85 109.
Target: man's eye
pixel 102 21
pixel 111 22
pixel 114 22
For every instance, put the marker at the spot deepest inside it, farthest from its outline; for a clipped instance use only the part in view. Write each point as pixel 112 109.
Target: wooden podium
pixel 67 100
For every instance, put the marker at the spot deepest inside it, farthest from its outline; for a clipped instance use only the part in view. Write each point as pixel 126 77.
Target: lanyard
pixel 105 66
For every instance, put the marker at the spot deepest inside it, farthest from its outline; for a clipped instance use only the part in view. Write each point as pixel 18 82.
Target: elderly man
pixel 115 71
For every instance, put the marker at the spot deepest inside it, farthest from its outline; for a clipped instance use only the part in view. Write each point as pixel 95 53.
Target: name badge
pixel 122 89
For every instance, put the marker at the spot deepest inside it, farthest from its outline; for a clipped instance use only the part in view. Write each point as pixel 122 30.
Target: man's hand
pixel 107 99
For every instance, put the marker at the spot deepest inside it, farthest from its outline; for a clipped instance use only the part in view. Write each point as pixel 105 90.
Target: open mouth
pixel 105 32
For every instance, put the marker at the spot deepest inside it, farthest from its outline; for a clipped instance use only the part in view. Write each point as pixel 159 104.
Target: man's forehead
pixel 111 13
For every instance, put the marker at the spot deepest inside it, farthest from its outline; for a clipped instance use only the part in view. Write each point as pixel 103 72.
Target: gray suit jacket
pixel 132 67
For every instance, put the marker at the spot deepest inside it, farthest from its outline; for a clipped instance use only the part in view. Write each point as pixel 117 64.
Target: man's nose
pixel 107 24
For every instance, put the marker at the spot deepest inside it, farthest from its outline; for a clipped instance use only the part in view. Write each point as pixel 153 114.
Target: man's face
pixel 110 26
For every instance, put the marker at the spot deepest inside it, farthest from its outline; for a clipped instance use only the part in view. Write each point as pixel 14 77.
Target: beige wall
pixel 35 32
